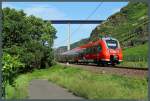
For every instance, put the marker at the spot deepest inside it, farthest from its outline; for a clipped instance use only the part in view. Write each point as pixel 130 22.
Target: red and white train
pixel 105 50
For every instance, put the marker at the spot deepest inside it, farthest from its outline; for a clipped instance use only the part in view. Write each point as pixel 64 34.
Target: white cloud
pixel 42 10
pixel 46 12
pixel 7 5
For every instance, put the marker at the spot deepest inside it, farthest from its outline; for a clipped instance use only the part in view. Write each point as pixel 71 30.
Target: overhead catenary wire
pixel 92 13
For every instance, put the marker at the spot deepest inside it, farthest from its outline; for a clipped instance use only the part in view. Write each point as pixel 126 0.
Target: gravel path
pixel 110 70
pixel 43 89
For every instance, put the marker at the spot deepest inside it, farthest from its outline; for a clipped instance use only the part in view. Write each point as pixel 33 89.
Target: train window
pixel 99 48
pixel 112 44
pixel 87 50
pixel 84 51
pixel 90 50
pixel 95 49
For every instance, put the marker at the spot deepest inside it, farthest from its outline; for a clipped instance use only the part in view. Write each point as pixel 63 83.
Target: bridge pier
pixel 69 36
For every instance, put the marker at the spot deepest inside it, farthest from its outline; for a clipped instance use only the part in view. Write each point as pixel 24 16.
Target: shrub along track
pixel 125 71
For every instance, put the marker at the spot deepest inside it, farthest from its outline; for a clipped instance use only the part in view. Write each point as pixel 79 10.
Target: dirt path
pixel 43 89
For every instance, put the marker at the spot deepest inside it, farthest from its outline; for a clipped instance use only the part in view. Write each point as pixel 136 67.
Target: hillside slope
pixel 138 51
pixel 136 56
pixel 129 26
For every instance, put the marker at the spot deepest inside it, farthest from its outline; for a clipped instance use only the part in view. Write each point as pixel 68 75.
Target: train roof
pixel 74 51
pixel 79 49
pixel 108 38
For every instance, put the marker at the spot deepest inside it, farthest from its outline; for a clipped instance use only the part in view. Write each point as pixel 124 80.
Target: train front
pixel 112 50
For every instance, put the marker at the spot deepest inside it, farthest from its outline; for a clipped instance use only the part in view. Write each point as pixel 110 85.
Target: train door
pixel 99 50
pixel 99 54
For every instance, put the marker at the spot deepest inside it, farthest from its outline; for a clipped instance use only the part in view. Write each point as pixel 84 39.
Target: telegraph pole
pixel 68 39
pixel 68 36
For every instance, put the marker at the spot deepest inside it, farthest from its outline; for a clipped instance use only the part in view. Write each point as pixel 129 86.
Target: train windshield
pixel 112 44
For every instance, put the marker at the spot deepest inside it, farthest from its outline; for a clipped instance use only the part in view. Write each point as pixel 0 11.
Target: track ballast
pixel 118 70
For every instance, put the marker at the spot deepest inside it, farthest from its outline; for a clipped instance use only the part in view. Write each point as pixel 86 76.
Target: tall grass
pixel 140 51
pixel 84 83
pixel 136 56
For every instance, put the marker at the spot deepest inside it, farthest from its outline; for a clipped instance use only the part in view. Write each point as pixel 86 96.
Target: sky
pixel 68 11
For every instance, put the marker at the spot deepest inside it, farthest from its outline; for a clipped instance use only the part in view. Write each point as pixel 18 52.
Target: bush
pixel 28 37
pixel 11 68
pixel 27 43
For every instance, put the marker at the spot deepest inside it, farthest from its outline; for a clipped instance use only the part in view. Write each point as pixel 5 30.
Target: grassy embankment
pixel 136 56
pixel 83 83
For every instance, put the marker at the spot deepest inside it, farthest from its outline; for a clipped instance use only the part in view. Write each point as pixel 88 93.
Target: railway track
pixel 134 68
pixel 120 67
pixel 117 70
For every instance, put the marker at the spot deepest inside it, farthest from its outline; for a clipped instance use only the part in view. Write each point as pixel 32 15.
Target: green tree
pixel 27 43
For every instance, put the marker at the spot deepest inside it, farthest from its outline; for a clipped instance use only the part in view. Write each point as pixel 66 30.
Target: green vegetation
pixel 11 66
pixel 138 51
pixel 27 47
pixel 129 25
pixel 27 44
pixel 129 64
pixel 83 83
pixel 136 56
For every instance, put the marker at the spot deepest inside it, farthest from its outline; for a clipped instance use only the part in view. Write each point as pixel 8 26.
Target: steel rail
pixel 119 67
